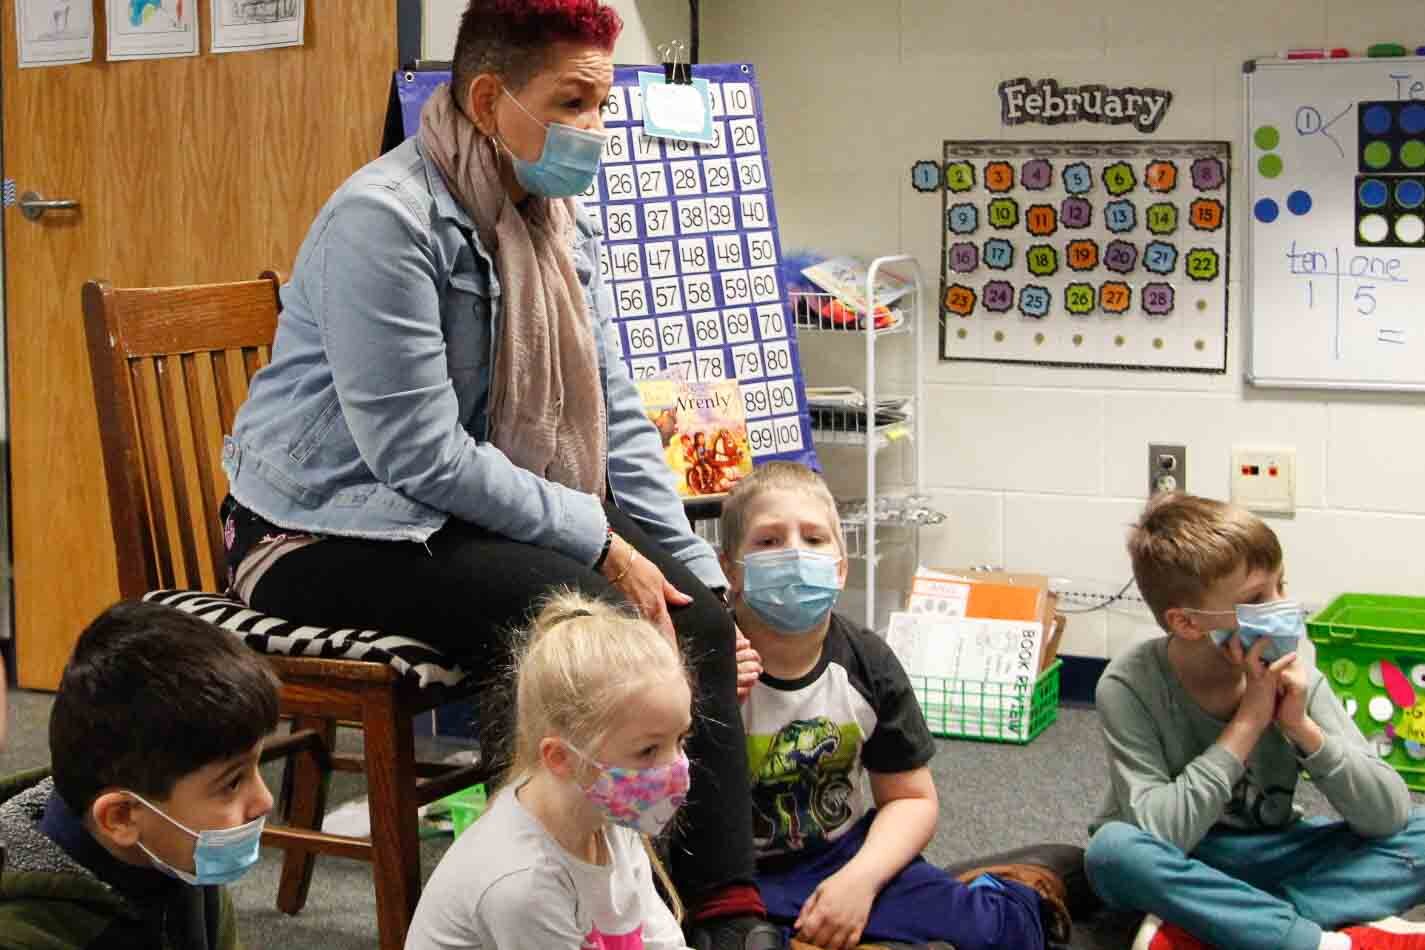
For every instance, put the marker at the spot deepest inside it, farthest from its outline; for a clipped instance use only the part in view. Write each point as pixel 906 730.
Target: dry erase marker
pixel 1339 52
pixel 1386 49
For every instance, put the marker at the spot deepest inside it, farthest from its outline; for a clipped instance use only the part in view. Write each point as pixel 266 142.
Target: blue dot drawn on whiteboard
pixel 1412 119
pixel 1373 193
pixel 1377 120
pixel 1298 202
pixel 1266 210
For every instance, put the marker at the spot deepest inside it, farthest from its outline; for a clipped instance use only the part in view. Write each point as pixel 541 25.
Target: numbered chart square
pixel 661 258
pixel 744 135
pixel 718 146
pixel 631 299
pixel 788 431
pixel 687 179
pixel 727 252
pixel 616 147
pixel 777 358
pixel 708 330
pixel 698 292
pixel 620 183
pixel 771 322
pixel 646 148
pixel 738 325
pixel 1109 254
pixel 693 255
pixel 754 211
pixel 693 216
pixel 750 173
pixel 667 295
pixel 719 175
pixel 712 364
pixel 720 215
pixel 736 287
pixel 621 222
pixel 747 361
pixel 756 403
pixel 616 107
pixel 652 181
pixel 658 220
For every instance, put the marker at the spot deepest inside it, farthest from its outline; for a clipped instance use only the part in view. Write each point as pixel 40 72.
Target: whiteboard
pixel 1331 302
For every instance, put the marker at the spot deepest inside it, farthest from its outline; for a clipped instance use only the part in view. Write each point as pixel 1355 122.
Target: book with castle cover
pixel 704 430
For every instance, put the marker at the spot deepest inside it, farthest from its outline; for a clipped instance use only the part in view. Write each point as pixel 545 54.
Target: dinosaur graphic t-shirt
pixel 811 740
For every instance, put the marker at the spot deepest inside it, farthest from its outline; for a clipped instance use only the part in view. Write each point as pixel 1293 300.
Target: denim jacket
pixel 370 418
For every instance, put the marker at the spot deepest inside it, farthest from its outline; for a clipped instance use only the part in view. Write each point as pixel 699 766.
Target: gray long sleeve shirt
pixel 1169 776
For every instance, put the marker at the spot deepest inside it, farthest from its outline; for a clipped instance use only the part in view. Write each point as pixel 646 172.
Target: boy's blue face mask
pixel 567 164
pixel 791 589
pixel 221 856
pixel 1280 621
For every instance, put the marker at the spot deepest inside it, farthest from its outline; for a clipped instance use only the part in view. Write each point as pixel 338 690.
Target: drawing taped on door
pixel 240 25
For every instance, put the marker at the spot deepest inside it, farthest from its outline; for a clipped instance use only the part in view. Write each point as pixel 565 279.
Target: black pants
pixel 471 587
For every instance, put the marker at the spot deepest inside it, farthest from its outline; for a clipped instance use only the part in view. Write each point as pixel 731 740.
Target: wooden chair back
pixel 171 366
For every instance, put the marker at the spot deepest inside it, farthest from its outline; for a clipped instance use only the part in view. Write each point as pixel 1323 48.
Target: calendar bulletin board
pixel 691 250
pixel 1111 254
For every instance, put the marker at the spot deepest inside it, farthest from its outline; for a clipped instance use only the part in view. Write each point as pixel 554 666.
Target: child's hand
pixel 1259 700
pixel 835 914
pixel 749 666
pixel 1292 719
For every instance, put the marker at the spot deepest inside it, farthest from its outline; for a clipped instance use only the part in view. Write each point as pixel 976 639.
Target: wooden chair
pixel 170 366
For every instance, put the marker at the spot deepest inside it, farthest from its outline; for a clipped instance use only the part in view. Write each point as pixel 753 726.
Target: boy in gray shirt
pixel 1208 730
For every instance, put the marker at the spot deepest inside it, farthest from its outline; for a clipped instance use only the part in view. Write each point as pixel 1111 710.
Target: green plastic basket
pixel 989 712
pixel 1353 636
pixel 465 806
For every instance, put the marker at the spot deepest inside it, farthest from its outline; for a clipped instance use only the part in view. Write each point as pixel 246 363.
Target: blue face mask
pixel 220 856
pixel 566 166
pixel 1280 621
pixel 791 589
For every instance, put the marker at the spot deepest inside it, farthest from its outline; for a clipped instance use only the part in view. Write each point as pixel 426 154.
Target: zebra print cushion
pixel 266 634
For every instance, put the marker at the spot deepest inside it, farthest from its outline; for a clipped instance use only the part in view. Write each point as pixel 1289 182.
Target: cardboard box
pixel 1046 609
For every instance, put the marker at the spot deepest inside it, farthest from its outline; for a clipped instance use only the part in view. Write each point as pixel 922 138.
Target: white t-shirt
pixel 506 883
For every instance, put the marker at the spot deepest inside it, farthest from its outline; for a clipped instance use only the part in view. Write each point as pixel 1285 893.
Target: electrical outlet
pixel 1264 479
pixel 1167 468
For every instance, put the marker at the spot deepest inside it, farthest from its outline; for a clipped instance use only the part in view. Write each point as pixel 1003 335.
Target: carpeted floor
pixel 992 797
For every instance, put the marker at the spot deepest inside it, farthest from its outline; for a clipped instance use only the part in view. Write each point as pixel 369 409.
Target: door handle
pixel 33 205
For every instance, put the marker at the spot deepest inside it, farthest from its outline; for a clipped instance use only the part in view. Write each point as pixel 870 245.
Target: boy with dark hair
pixel 1209 729
pixel 832 709
pixel 155 800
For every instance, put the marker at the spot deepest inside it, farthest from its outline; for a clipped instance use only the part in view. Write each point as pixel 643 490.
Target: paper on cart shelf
pixel 966 648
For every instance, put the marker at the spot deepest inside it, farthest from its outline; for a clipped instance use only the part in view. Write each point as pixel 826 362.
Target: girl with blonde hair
pixel 603 707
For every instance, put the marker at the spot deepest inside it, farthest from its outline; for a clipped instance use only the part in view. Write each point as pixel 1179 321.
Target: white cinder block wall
pixel 1043 468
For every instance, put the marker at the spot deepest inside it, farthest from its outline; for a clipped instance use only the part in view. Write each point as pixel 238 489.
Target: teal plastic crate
pixel 1356 636
pixel 988 712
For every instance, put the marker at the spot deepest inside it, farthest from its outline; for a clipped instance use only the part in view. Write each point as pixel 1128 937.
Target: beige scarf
pixel 546 408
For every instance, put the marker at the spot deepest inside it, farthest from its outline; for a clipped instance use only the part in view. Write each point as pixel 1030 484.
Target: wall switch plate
pixel 1167 468
pixel 1264 479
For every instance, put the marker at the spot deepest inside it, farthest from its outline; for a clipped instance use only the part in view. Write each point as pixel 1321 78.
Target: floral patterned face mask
pixel 642 799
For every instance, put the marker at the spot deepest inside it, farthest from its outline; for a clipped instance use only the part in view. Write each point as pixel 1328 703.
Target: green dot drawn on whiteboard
pixel 1377 155
pixel 1412 154
pixel 1269 166
pixel 1267 137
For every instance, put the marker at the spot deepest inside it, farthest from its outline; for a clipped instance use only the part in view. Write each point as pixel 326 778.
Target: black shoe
pixel 735 933
pixel 1064 861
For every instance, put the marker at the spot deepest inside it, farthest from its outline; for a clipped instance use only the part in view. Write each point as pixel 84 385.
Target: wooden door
pixel 187 171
